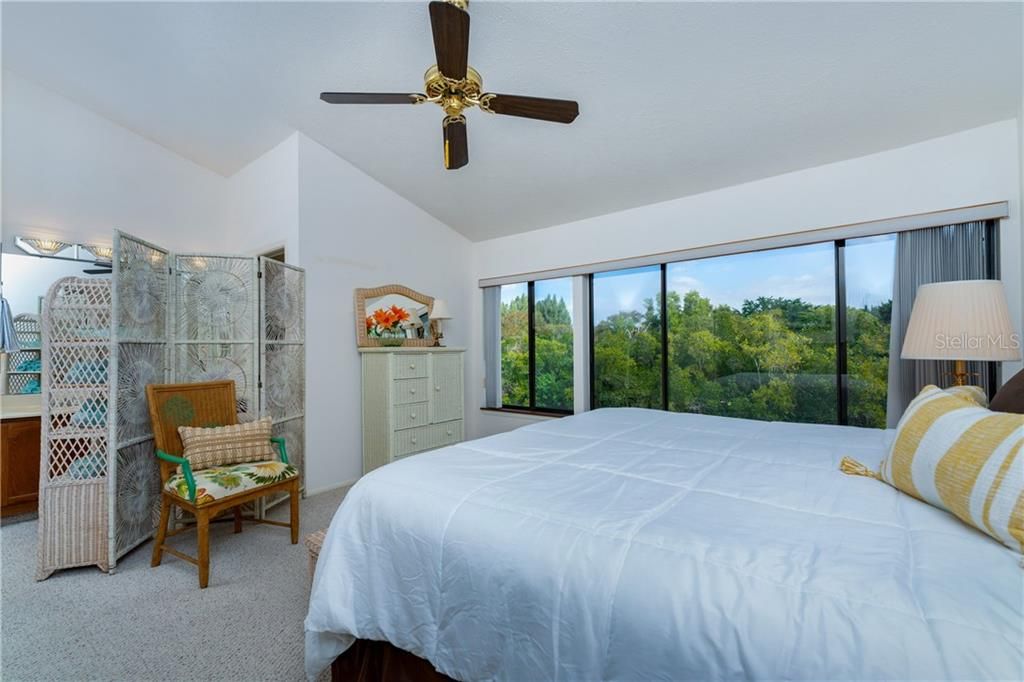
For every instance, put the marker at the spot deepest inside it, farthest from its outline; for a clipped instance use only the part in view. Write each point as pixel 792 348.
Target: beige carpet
pixel 147 623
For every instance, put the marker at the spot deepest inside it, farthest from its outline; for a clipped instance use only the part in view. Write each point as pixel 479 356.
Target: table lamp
pixel 961 321
pixel 438 313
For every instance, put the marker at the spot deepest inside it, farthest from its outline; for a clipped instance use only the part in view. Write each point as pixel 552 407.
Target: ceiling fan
pixel 455 86
pixel 102 268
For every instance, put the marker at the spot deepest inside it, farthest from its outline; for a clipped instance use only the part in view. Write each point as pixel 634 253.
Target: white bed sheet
pixel 626 544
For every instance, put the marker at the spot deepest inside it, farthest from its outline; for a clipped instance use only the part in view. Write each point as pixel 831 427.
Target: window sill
pixel 526 412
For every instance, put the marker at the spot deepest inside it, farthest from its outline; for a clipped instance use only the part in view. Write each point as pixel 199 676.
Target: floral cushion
pixel 217 483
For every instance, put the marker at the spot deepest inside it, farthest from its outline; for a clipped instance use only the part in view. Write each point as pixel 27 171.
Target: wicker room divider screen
pixel 161 318
pixel 76 392
pixel 283 359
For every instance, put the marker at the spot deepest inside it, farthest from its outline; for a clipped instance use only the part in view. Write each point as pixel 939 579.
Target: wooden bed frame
pixel 372 661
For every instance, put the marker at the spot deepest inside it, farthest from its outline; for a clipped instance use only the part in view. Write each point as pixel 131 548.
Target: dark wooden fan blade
pixel 369 97
pixel 451 38
pixel 557 110
pixel 456 144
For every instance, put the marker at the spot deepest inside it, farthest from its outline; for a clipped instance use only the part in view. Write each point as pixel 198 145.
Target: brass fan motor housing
pixel 453 95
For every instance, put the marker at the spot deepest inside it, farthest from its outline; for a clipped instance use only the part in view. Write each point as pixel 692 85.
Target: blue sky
pixel 806 272
pixel 870 265
pixel 560 288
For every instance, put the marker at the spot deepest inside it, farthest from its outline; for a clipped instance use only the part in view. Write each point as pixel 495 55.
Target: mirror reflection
pixel 25 280
pixel 396 315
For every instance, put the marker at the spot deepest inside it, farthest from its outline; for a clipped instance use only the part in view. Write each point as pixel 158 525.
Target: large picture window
pixel 627 338
pixel 537 345
pixel 869 265
pixel 753 335
pixel 795 334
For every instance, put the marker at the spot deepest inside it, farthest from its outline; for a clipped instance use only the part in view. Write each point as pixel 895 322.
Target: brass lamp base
pixel 960 373
pixel 435 333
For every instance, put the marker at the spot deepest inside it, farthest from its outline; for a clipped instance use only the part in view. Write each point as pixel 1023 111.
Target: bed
pixel 627 544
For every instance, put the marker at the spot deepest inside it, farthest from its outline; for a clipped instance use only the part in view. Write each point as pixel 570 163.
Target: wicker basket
pixel 314 541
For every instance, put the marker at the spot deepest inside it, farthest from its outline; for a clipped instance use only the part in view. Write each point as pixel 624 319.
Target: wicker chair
pixel 204 404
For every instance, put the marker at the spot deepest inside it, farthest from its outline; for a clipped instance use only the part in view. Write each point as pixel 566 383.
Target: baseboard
pixel 316 491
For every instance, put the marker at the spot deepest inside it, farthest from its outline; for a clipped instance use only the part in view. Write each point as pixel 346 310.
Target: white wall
pixel 263 202
pixel 72 174
pixel 354 232
pixel 971 167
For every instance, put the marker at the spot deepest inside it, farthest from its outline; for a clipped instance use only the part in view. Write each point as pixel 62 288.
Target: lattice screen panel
pixel 138 495
pixel 75 467
pixel 141 275
pixel 283 379
pixel 138 364
pixel 196 362
pixel 142 305
pixel 283 357
pixel 215 333
pixel 284 302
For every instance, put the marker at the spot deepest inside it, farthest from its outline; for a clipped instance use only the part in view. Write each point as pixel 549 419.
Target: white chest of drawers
pixel 412 401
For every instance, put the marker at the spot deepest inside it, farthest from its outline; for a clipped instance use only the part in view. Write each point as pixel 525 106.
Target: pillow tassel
pixel 852 467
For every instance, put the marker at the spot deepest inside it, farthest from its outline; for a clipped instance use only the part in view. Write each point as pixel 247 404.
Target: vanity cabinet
pixel 19 465
pixel 412 401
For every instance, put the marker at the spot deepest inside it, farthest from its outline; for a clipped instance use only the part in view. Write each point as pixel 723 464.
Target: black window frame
pixel 531 347
pixel 839 324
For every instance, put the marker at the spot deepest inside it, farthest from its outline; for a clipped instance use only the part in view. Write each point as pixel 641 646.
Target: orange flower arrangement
pixel 385 319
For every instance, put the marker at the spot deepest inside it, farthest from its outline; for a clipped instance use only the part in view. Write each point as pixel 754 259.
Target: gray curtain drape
pixel 492 346
pixel 937 254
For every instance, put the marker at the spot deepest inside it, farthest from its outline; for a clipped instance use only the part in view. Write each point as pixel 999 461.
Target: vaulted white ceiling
pixel 675 98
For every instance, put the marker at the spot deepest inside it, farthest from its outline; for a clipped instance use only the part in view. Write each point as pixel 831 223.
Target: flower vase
pixel 392 337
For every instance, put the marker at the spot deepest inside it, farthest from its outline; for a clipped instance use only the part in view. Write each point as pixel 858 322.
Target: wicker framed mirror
pixel 393 315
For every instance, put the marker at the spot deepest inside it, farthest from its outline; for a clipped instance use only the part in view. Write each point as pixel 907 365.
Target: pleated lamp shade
pixel 963 320
pixel 439 311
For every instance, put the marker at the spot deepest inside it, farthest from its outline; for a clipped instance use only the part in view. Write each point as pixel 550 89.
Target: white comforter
pixel 628 544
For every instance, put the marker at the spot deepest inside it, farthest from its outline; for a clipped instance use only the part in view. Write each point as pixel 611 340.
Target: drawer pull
pixel 437 388
pixel 412 390
pixel 414 441
pixel 412 416
pixel 412 366
pixel 449 432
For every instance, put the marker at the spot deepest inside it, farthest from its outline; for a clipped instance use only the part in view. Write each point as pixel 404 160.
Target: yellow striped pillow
pixel 224 445
pixel 958 456
pixel 973 393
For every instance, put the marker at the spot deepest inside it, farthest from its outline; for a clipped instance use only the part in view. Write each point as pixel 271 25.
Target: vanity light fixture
pixel 53 248
pixel 40 247
pixel 103 253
